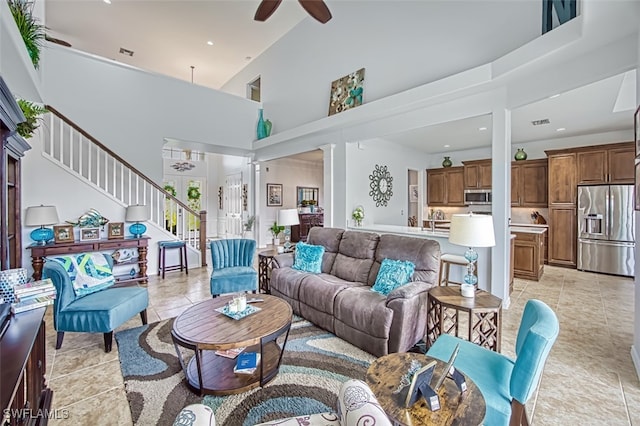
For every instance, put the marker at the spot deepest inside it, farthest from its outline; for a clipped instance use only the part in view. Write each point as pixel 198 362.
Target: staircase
pixel 72 148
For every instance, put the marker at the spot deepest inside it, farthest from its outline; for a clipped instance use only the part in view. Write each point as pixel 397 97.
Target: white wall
pixel 132 111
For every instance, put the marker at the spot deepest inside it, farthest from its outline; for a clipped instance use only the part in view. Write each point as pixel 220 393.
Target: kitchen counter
pixel 530 225
pixel 528 230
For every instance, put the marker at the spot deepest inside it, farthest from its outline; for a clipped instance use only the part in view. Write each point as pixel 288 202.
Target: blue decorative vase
pixel 41 235
pixel 138 229
pixel 261 129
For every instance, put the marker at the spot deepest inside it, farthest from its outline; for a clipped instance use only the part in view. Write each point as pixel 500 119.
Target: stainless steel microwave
pixel 477 196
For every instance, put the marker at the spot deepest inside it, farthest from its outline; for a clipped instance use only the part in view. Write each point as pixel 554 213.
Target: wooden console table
pixel 38 253
pixel 24 395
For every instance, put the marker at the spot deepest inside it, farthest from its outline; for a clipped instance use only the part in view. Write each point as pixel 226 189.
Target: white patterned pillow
pixel 358 405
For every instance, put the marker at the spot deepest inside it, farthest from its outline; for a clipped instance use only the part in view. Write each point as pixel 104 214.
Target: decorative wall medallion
pixel 381 185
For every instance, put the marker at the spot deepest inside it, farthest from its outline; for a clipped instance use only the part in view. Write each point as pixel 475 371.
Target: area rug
pixel 314 365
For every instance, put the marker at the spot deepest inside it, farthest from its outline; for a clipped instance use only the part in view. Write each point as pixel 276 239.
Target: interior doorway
pixel 233 205
pixel 412 198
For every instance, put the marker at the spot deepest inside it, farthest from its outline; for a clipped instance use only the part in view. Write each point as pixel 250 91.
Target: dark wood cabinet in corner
pixel 24 396
pixel 606 164
pixel 307 221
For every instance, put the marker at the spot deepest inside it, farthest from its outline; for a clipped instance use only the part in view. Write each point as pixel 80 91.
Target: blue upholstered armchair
pixel 99 312
pixel 506 384
pixel 233 270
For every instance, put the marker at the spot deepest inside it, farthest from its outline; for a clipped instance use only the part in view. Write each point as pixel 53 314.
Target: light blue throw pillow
pixel 88 272
pixel 308 258
pixel 393 274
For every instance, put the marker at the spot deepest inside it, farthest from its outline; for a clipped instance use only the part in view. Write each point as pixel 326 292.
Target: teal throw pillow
pixel 308 258
pixel 393 274
pixel 88 272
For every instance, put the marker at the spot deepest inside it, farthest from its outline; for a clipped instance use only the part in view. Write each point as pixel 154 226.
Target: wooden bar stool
pixel 448 259
pixel 162 264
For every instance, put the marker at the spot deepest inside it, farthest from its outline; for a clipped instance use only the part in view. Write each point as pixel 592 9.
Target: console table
pixel 38 253
pixel 24 395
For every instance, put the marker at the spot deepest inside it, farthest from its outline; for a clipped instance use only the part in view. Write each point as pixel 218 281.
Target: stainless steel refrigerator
pixel 606 231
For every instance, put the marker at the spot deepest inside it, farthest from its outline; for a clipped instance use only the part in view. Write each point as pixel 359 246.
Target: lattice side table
pixel 265 262
pixel 484 322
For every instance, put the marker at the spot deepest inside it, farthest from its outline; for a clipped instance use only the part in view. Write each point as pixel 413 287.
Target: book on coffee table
pixel 230 353
pixel 246 363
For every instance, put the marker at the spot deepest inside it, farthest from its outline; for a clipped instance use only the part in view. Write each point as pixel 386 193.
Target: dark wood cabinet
pixel 529 183
pixel 562 179
pixel 307 221
pixel 606 164
pixel 445 186
pixel 477 174
pixel 528 255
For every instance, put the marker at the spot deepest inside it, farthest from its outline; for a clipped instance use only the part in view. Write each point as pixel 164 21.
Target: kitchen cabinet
pixel 477 174
pixel 562 236
pixel 528 253
pixel 609 164
pixel 307 221
pixel 529 183
pixel 562 179
pixel 445 186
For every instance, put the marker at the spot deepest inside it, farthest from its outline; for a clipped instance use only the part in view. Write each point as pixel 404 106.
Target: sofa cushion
pixel 89 272
pixel 329 238
pixel 319 291
pixel 393 274
pixel 308 258
pixel 355 256
pixel 423 253
pixel 364 310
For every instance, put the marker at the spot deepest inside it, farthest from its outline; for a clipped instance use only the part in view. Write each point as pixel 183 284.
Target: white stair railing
pixel 87 158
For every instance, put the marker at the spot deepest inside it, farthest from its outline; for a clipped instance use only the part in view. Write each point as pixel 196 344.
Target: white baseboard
pixel 635 356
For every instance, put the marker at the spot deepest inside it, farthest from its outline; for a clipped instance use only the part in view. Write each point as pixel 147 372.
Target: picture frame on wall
pixel 413 193
pixel 274 195
pixel 115 230
pixel 89 234
pixel 636 130
pixel 63 234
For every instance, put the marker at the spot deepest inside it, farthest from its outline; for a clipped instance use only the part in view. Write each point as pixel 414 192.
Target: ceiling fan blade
pixel 266 9
pixel 317 9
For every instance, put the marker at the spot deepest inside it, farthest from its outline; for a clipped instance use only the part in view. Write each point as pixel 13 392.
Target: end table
pixel 484 322
pixel 265 264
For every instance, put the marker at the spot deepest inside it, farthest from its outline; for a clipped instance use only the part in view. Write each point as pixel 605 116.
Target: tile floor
pixel 589 378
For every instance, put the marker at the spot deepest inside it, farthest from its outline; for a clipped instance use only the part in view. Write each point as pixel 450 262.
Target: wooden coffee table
pixel 204 330
pixel 384 377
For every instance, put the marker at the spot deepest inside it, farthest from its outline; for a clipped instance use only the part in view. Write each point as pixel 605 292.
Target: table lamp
pixel 137 213
pixel 471 231
pixel 287 218
pixel 41 216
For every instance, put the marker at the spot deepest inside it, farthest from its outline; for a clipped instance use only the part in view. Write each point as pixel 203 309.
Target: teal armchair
pixel 232 262
pixel 506 384
pixel 99 312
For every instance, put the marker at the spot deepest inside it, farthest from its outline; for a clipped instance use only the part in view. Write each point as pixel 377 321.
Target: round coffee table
pixel 384 377
pixel 204 330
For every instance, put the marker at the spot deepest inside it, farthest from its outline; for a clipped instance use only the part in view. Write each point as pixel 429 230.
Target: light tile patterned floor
pixel 589 378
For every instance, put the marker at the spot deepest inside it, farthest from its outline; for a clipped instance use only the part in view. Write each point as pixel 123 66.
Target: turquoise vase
pixel 268 125
pixel 261 128
pixel 520 155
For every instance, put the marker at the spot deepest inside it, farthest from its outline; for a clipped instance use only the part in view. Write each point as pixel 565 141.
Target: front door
pixel 233 205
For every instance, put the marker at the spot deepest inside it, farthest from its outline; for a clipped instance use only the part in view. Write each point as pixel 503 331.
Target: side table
pixel 265 263
pixel 484 321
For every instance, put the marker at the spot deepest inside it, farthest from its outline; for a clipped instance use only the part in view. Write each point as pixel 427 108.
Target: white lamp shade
pixel 471 230
pixel 137 213
pixel 288 217
pixel 41 215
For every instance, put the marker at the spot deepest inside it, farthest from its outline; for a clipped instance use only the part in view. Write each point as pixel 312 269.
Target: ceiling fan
pixel 316 8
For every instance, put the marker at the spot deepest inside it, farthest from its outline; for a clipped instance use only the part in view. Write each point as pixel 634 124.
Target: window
pixel 253 90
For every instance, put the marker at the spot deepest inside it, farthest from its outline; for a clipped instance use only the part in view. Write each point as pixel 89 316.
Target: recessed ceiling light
pixel 554 96
pixel 447 146
pixel 482 128
pixel 210 43
pixel 107 1
pixel 560 129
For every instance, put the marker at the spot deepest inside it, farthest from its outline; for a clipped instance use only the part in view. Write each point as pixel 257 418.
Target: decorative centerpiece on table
pixel 358 215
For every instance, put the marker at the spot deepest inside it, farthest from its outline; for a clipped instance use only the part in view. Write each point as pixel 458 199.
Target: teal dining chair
pixel 233 270
pixel 506 384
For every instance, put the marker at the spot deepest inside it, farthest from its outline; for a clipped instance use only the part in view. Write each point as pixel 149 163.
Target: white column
pixel 328 169
pixel 501 193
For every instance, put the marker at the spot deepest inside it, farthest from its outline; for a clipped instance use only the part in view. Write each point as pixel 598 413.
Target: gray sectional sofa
pixel 340 299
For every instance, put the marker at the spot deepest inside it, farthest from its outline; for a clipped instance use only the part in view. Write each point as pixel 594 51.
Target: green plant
pixel 170 189
pixel 276 229
pixel 193 193
pixel 32 113
pixel 248 225
pixel 31 31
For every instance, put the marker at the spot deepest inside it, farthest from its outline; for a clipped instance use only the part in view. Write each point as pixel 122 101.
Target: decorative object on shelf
pixel 413 193
pixel 447 162
pixel 245 197
pixel 41 216
pixel 268 125
pixel 275 231
pixel 288 218
pixel 183 166
pixel 220 197
pixel 274 195
pixel 31 31
pixel 261 129
pixel 471 231
pixel 538 218
pixel 115 230
pixel 381 185
pixel 358 215
pixel 89 234
pixel 137 213
pixel 346 92
pixel 520 155
pixel 63 234
pixel 92 218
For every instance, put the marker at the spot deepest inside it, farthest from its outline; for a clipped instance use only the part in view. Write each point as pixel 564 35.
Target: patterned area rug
pixel 314 365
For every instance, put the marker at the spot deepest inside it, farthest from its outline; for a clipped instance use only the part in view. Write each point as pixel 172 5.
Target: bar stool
pixel 162 264
pixel 448 259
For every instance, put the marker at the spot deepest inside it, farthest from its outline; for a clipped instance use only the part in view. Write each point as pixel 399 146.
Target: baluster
pixel 113 174
pixel 71 166
pixel 121 182
pixel 61 142
pixel 97 166
pixel 51 132
pixel 80 151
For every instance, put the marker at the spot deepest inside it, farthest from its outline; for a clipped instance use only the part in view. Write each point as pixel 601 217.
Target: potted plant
pixel 275 231
pixel 32 113
pixel 248 226
pixel 31 30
